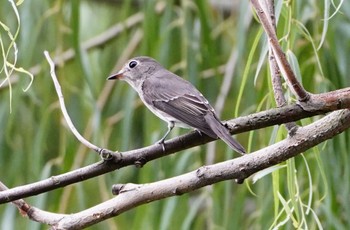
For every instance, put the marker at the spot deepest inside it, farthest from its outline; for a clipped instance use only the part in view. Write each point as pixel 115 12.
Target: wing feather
pixel 177 97
pixel 184 110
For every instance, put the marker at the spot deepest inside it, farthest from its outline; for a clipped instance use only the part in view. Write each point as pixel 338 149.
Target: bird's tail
pixel 221 131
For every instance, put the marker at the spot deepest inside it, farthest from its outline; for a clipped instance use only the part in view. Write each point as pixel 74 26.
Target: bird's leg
pixel 171 125
pixel 199 132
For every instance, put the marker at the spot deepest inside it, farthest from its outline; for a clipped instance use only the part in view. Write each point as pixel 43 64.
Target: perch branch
pixel 139 157
pixel 132 195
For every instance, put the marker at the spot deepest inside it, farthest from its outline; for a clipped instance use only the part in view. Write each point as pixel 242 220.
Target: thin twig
pixel 274 69
pixel 287 72
pixel 64 110
pixel 102 99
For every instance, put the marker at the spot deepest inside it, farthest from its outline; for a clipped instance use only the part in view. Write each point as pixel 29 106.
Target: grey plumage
pixel 174 99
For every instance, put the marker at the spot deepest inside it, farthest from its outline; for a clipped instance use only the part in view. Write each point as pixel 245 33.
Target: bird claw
pixel 161 142
pixel 199 132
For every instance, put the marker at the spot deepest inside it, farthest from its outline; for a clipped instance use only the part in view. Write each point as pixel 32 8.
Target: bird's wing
pixel 187 109
pixel 179 99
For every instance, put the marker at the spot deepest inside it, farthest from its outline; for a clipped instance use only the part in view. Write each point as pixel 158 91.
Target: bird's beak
pixel 118 75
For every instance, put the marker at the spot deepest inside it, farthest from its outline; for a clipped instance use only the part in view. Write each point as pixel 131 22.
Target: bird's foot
pixel 161 142
pixel 199 132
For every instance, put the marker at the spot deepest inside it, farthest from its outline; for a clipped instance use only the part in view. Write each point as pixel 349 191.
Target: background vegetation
pixel 189 38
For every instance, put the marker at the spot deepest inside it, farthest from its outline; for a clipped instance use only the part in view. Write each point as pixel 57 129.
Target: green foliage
pixel 187 37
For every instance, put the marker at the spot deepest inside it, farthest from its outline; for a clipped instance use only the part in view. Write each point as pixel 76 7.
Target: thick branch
pixel 329 101
pixel 132 195
pixel 141 156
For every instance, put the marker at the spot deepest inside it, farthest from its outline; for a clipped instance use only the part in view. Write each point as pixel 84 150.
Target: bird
pixel 173 99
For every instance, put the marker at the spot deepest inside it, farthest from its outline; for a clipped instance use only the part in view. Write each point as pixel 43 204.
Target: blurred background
pixel 217 45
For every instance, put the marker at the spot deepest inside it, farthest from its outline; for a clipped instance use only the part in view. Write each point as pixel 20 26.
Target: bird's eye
pixel 132 64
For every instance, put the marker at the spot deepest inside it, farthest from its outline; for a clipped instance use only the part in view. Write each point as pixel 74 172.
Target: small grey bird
pixel 173 99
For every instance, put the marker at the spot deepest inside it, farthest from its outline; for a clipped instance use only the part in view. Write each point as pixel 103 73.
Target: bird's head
pixel 136 70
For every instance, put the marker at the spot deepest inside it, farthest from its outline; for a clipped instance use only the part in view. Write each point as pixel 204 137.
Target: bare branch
pixel 287 72
pixel 337 99
pixel 133 195
pixel 65 113
pixel 274 69
pixel 141 156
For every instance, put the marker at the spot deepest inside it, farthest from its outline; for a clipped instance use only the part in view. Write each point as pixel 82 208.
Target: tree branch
pixel 274 69
pixel 133 195
pixel 287 72
pixel 104 153
pixel 139 157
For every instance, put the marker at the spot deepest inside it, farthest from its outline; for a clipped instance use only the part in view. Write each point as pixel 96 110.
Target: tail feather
pixel 222 132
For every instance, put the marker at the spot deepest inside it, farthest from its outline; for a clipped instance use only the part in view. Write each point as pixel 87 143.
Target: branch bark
pixel 287 72
pixel 133 195
pixel 274 69
pixel 139 157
